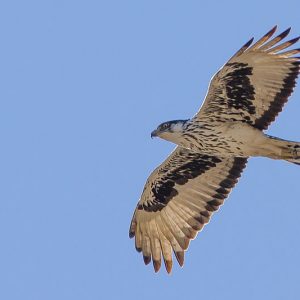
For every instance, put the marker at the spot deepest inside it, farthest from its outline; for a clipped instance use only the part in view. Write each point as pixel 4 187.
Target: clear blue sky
pixel 83 83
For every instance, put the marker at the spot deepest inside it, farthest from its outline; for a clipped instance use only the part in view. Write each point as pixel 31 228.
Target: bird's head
pixel 170 131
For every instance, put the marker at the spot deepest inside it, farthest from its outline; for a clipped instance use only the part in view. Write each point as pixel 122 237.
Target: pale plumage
pixel 244 97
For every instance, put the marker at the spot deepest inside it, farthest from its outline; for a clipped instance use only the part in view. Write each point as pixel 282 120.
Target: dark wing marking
pixel 254 84
pixel 178 200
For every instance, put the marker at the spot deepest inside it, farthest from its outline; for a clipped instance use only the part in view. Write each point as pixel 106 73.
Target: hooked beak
pixel 153 133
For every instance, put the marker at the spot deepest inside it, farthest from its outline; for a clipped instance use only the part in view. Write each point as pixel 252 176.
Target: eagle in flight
pixel 243 98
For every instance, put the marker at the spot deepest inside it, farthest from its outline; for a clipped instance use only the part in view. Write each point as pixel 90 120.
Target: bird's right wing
pixel 178 199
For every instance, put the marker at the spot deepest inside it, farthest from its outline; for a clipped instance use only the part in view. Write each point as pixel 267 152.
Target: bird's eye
pixel 165 125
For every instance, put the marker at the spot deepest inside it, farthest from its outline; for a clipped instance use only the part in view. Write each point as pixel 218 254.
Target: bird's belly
pixel 229 139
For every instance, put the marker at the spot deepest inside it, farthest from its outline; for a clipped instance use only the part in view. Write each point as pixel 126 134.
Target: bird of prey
pixel 243 98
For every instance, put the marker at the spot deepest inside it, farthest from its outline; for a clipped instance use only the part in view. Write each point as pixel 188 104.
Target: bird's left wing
pixel 178 199
pixel 254 84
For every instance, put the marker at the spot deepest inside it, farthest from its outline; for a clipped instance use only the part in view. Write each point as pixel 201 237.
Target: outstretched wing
pixel 254 84
pixel 178 199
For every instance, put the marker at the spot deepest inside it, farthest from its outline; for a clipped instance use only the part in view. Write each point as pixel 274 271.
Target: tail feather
pixel 294 161
pixel 288 150
pixel 291 152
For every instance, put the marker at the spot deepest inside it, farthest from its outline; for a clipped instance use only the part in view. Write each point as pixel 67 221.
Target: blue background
pixel 83 83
